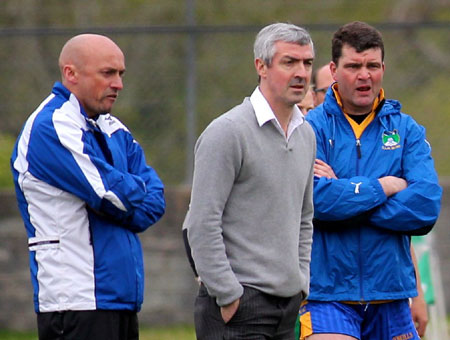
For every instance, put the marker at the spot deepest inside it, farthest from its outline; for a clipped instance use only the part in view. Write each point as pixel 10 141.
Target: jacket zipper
pixel 358 148
pixel 358 153
pixel 361 290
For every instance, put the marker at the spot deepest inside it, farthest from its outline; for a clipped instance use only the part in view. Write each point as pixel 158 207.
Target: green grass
pixel 6 147
pixel 157 333
pixel 12 335
pixel 166 333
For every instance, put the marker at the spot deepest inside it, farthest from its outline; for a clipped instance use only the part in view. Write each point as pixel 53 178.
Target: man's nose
pixel 301 71
pixel 117 83
pixel 364 73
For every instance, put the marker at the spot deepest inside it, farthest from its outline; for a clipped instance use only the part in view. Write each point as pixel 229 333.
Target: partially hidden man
pixel 375 185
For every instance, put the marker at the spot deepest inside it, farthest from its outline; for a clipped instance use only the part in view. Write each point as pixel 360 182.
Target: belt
pixel 375 302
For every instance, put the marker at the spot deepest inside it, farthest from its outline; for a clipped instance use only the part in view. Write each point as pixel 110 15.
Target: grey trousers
pixel 259 317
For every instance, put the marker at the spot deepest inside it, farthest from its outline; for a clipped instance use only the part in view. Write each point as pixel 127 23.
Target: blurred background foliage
pixel 154 36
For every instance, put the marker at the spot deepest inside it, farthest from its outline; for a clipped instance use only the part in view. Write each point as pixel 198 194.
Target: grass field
pixel 157 333
pixel 160 333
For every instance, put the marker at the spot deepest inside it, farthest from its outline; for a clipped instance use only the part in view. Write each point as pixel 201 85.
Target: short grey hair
pixel 264 47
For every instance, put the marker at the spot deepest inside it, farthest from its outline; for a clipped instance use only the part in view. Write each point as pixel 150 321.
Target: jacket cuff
pixel 380 196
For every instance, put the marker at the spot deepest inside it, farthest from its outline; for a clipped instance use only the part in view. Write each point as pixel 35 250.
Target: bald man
pixel 322 79
pixel 307 102
pixel 85 191
pixel 92 67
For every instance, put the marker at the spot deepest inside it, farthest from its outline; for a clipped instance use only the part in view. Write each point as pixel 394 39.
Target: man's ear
pixel 333 68
pixel 70 74
pixel 261 68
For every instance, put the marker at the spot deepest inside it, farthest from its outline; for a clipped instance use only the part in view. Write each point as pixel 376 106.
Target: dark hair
pixel 358 35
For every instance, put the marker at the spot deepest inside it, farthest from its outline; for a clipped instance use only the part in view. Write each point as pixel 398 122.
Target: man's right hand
pixel 228 311
pixel 322 169
pixel 392 185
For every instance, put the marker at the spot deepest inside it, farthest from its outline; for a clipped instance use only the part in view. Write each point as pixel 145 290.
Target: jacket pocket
pixel 43 243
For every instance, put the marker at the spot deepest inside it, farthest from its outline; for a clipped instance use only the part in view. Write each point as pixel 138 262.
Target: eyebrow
pixel 297 59
pixel 112 69
pixel 349 63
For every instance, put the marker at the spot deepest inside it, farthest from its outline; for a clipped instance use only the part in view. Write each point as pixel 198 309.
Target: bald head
pixel 91 68
pixel 307 102
pixel 322 80
pixel 81 48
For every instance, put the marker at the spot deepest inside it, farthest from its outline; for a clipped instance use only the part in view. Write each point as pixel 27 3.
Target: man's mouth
pixel 112 96
pixel 297 86
pixel 364 88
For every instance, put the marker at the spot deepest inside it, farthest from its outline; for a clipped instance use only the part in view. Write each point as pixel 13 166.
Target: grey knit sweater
pixel 250 217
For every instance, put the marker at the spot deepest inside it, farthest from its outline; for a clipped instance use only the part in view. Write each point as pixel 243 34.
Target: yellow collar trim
pixel 358 129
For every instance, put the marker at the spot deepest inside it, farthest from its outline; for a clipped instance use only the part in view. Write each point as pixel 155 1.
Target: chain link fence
pixel 180 78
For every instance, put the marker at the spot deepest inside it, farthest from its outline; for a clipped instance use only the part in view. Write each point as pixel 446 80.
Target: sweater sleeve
pixel 218 158
pixel 306 225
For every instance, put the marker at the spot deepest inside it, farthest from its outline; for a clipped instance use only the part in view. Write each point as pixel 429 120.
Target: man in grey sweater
pixel 249 223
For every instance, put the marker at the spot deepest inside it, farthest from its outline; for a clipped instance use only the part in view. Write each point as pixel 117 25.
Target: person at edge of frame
pixel 374 186
pixel 84 191
pixel 322 79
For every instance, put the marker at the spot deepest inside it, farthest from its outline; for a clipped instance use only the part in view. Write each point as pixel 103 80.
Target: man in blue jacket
pixel 84 191
pixel 375 186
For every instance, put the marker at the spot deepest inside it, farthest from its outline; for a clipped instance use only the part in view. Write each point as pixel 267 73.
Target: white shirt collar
pixel 264 113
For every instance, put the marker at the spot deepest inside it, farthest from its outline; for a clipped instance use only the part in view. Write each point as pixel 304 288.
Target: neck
pixel 356 112
pixel 282 111
pixel 283 118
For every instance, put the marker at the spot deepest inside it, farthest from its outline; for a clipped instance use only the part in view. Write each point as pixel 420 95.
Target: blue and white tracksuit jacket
pixel 84 191
pixel 361 241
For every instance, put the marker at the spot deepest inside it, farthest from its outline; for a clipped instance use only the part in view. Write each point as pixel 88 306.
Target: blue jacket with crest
pixel 361 242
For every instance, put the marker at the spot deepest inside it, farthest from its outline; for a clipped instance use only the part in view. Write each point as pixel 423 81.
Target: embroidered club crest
pixel 391 140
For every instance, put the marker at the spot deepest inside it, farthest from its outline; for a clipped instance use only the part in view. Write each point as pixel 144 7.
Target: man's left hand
pixel 419 314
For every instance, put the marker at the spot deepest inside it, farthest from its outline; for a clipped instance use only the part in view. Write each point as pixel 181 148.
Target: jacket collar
pixel 382 106
pixel 60 90
pixel 376 106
